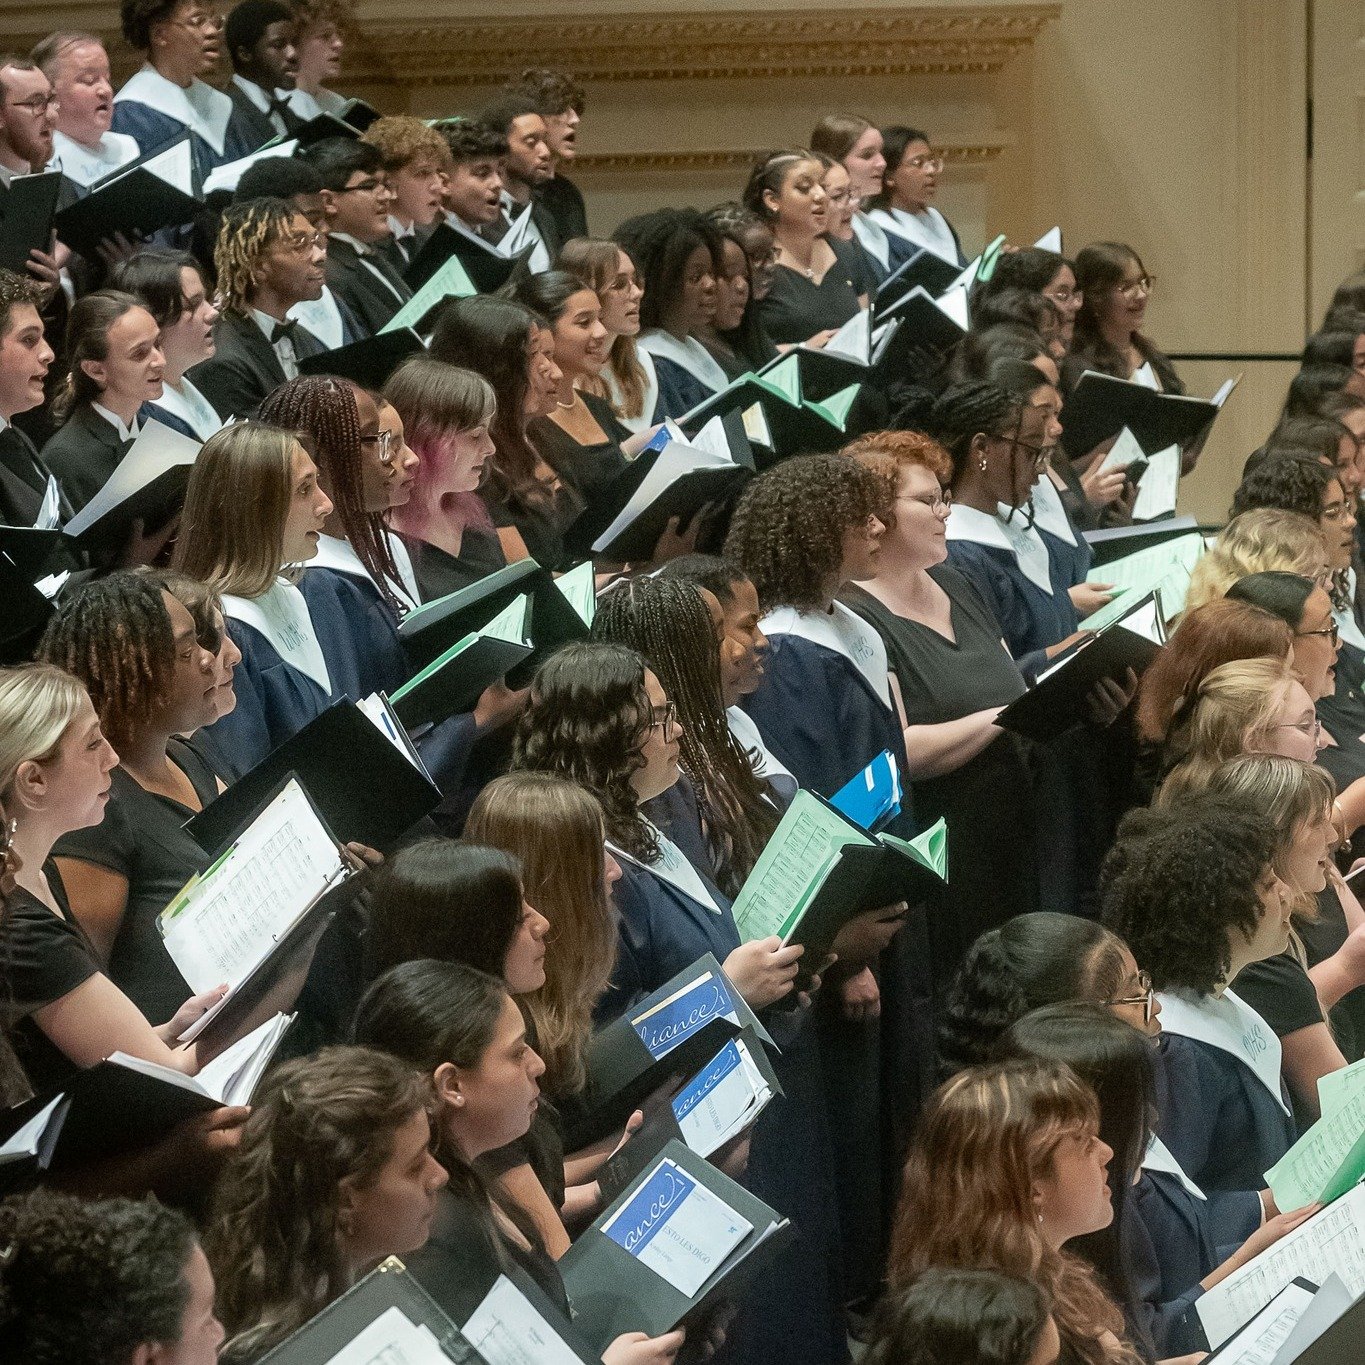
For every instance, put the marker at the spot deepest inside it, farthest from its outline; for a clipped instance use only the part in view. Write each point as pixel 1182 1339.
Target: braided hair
pixel 247 230
pixel 968 410
pixel 324 409
pixel 666 620
pixel 114 635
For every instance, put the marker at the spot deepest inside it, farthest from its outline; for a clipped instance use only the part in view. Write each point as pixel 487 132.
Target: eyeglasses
pixel 305 241
pixel 37 105
pixel 842 198
pixel 1039 454
pixel 1143 286
pixel 665 717
pixel 383 441
pixel 1330 631
pixel 926 163
pixel 1312 726
pixel 1336 511
pixel 1064 295
pixel 370 186
pixel 939 504
pixel 1146 999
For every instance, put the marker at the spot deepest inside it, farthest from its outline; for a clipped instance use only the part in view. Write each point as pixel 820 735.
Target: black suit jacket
pixel 23 480
pixel 244 368
pixel 256 128
pixel 562 200
pixel 355 285
pixel 83 454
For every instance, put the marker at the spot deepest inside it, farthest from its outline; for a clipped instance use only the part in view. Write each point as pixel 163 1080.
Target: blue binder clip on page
pixel 872 798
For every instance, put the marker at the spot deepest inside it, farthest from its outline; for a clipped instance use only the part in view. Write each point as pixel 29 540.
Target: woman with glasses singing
pixel 1108 331
pixel 904 208
pixel 955 677
pixel 182 41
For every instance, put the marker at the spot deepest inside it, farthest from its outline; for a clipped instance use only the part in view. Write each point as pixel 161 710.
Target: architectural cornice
pixel 973 153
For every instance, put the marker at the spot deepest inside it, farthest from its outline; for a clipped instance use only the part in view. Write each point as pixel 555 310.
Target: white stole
pixel 340 556
pixel 617 399
pixel 1022 541
pixel 1228 1023
pixel 689 353
pixel 672 866
pixel 844 632
pixel 872 238
pixel 201 108
pixel 1161 1159
pixel 85 165
pixel 281 615
pixel 1048 510
pixel 928 229
pixel 761 759
pixel 188 404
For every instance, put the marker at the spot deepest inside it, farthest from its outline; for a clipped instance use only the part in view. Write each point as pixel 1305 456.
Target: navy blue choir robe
pixel 662 930
pixel 156 112
pixel 825 716
pixel 686 371
pixel 1220 1117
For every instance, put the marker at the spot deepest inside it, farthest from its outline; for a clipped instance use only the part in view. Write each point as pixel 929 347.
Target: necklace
pixel 571 403
pixel 807 270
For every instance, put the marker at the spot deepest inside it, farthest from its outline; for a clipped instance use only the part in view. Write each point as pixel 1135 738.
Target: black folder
pixel 623 1069
pixel 388 1286
pixel 685 498
pixel 1114 542
pixel 27 209
pixel 153 503
pixel 488 269
pixel 455 687
pixel 25 617
pixel 1340 1343
pixel 1058 700
pixel 431 630
pixel 133 201
pixel 35 553
pixel 1100 406
pixel 368 362
pixel 924 324
pixel 613 1292
pixel 924 270
pixel 343 761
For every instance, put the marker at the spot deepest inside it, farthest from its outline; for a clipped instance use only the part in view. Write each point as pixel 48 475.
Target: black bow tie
pixel 284 331
pixel 275 105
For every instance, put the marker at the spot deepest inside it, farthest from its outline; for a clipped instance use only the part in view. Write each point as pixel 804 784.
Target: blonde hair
pixel 1257 542
pixel 232 529
pixel 555 828
pixel 1234 710
pixel 37 704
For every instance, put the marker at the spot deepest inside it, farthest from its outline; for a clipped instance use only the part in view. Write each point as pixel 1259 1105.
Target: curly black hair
pixel 137 18
pixel 1177 881
pixel 1288 482
pixel 1032 960
pixel 586 720
pixel 660 243
pixel 85 1283
pixel 788 530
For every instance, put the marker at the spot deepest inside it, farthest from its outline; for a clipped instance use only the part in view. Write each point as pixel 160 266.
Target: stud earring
pixel 982 464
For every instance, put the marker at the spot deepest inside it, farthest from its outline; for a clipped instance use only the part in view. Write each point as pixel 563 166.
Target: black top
pixel 796 308
pixel 540 522
pixel 142 839
pixel 988 802
pixel 542 1149
pixel 440 573
pixel 43 957
pixel 461 1260
pixel 587 469
pixel 563 201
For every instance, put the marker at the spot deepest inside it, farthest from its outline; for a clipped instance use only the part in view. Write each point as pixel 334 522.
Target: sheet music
pixel 157 449
pixel 1333 1240
pixel 1124 452
pixel 234 915
pixel 26 1141
pixel 233 1074
pixel 722 1100
pixel 1330 1303
pixel 175 166
pixel 49 514
pixel 1159 486
pixel 1259 1342
pixel 391 1339
pixel 853 339
pixel 672 462
pixel 507 1329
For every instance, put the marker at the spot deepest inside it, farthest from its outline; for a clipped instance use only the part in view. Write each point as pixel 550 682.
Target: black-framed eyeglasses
pixel 1329 630
pixel 370 186
pixel 1147 998
pixel 665 716
pixel 1038 454
pixel 37 105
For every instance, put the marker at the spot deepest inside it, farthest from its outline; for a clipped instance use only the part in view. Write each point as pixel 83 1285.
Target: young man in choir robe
pixel 84 146
pixel 25 358
pixel 269 257
pixel 413 156
pixel 472 197
pixel 260 42
pixel 355 203
pixel 562 101
pixel 528 166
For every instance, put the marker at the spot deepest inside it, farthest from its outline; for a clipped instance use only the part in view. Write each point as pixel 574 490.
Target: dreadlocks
pixel 324 409
pixel 667 621
pixel 114 635
pixel 245 233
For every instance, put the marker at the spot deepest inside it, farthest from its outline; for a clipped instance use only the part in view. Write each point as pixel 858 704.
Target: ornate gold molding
pixel 743 44
pixel 975 153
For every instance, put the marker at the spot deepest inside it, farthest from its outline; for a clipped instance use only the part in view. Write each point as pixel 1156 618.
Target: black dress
pixel 586 469
pixel 440 573
pixel 142 839
pixel 43 957
pixel 797 308
pixel 988 802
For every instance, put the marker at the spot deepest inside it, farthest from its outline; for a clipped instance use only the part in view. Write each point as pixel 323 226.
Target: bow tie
pixel 284 331
pixel 276 105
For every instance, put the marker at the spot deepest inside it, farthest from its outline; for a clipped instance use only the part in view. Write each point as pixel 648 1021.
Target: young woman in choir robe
pixel 903 206
pixel 463 1031
pixel 182 41
pixel 735 335
pixel 114 354
pixel 1194 890
pixel 678 254
pixel 856 145
pixel 1158 1256
pixel 62 1011
pixel 335 1173
pixel 627 380
pixel 513 349
pixel 1008 1166
pixel 1108 336
pixel 820 282
pixel 136 649
pixel 171 287
pixel 1046 273
pixel 581 440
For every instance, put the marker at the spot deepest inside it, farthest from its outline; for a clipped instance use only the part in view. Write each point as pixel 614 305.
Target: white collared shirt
pixel 261 101
pixel 283 348
pixel 188 404
pixel 125 433
pixel 404 237
pixel 366 253
pixel 762 760
pixel 85 165
pixel 201 108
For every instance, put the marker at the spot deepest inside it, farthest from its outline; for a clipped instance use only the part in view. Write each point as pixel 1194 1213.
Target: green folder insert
pixel 1326 1161
pixel 509 624
pixel 451 281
